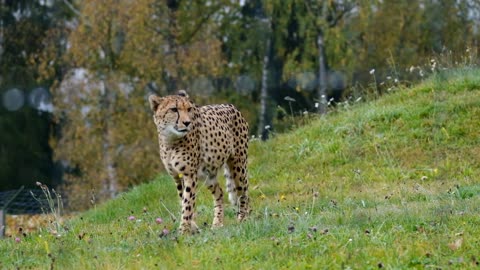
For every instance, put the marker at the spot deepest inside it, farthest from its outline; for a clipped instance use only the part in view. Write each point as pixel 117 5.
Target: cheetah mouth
pixel 183 130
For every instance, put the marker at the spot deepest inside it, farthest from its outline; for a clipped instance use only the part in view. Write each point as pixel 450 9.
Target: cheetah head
pixel 173 115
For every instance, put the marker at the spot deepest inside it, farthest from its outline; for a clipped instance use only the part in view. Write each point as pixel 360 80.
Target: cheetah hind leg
pixel 217 193
pixel 232 194
pixel 237 186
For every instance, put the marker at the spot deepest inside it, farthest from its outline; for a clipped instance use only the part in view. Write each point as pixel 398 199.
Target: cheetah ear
pixel 183 93
pixel 154 101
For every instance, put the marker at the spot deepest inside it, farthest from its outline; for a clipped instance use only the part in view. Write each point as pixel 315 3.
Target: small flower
pixel 165 232
pixel 330 101
pixel 180 175
pixel 372 71
pixel 158 220
pixel 18 240
pixel 275 240
pixel 289 99
pixel 131 218
pixel 316 104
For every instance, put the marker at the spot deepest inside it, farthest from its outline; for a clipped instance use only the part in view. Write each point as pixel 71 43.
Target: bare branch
pixel 197 28
pixel 72 8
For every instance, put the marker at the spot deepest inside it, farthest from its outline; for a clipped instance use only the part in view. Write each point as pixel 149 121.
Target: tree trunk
pixel 110 183
pixel 264 93
pixel 322 75
pixel 172 77
pixel 2 3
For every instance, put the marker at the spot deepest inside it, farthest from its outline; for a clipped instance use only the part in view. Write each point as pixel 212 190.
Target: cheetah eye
pixel 174 110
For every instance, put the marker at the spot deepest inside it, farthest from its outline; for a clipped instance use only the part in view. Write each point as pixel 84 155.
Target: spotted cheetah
pixel 195 142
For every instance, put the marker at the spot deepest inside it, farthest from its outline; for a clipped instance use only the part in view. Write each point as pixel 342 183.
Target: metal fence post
pixel 2 223
pixel 3 212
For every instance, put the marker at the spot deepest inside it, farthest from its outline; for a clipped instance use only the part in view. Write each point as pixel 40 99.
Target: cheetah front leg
pixel 187 224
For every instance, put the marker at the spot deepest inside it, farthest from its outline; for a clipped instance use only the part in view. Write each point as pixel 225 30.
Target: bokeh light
pixel 203 86
pixel 306 81
pixel 13 99
pixel 244 84
pixel 40 99
pixel 336 80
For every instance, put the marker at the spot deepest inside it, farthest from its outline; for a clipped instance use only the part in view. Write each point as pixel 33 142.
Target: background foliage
pixel 100 60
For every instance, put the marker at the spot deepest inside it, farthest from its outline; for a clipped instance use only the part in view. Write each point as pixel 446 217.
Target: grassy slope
pixel 391 183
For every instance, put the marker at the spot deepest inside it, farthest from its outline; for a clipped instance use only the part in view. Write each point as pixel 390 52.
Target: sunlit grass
pixel 392 183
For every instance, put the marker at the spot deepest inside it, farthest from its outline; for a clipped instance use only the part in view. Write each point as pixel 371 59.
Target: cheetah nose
pixel 186 123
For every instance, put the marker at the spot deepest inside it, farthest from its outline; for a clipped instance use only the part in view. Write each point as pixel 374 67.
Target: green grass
pixel 391 183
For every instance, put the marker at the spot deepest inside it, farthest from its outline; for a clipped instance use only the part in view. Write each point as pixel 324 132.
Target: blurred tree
pixel 121 51
pixel 391 36
pixel 25 156
pixel 306 30
pixel 104 63
pixel 245 31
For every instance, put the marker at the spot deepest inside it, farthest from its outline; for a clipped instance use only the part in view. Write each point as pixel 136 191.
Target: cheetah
pixel 195 142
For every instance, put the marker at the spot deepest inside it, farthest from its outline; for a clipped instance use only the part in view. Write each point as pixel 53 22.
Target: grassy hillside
pixel 392 183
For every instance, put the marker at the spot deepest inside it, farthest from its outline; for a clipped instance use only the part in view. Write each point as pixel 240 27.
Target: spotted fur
pixel 195 142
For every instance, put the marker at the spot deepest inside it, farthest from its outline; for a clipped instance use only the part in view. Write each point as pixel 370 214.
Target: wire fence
pixel 24 207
